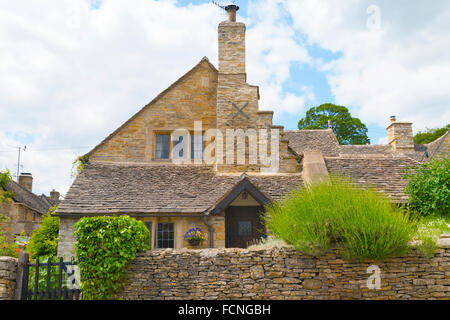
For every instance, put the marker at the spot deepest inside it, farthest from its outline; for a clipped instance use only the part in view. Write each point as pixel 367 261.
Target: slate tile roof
pixel 28 198
pixel 308 140
pixel 131 188
pixel 384 173
pixel 325 141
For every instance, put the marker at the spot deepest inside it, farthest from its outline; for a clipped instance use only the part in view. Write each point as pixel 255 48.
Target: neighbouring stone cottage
pixel 25 209
pixel 133 172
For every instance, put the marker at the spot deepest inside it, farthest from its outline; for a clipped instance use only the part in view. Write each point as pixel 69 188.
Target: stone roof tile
pixel 127 188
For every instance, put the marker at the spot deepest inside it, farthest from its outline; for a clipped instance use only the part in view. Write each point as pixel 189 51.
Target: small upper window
pixel 162 146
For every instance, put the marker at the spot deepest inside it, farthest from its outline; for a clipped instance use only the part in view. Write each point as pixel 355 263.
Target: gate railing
pixel 47 280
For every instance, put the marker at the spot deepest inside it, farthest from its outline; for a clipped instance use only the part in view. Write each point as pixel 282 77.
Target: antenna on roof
pixel 18 161
pixel 231 8
pixel 217 4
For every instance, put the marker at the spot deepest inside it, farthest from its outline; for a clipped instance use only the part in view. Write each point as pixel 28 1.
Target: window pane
pixel 165 235
pixel 162 146
pixel 197 147
pixel 177 140
pixel 244 228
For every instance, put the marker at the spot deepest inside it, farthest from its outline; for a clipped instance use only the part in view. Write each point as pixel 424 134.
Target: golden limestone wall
pixel 183 223
pixel 284 274
pixel 234 94
pixel 21 219
pixel 205 95
pixel 192 98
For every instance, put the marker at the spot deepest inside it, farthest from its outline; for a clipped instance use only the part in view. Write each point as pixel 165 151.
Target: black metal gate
pixel 50 280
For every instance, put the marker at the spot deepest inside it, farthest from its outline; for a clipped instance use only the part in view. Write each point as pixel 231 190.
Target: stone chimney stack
pixel 232 44
pixel 400 135
pixel 54 195
pixel 26 181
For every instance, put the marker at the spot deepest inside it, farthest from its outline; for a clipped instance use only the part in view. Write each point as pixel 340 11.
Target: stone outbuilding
pixel 25 209
pixel 133 171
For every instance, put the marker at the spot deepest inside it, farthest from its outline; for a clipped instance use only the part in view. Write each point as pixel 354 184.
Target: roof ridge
pixel 301 130
pixel 28 192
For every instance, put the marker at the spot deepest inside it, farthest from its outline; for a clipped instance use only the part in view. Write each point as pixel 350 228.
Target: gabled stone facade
pixel 124 176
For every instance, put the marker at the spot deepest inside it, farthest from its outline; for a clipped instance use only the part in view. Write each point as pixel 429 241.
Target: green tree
pixel 44 241
pixel 348 130
pixel 429 135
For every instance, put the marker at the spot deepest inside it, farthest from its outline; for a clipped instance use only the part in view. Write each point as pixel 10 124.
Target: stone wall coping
pixel 8 259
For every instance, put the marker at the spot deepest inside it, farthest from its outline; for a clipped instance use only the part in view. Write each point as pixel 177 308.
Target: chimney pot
pixel 330 124
pixel 26 181
pixel 231 9
pixel 393 118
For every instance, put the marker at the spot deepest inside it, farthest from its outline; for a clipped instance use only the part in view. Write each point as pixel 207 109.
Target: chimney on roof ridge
pixel 231 9
pixel 54 195
pixel 26 181
pixel 330 124
pixel 400 135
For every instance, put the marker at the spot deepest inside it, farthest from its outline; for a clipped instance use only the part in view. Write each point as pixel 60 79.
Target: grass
pixel 269 242
pixel 428 232
pixel 360 221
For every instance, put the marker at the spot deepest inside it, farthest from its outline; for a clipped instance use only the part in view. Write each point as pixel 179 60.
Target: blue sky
pixel 73 71
pixel 302 74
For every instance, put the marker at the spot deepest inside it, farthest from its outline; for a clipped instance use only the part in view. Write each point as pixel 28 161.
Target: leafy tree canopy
pixel 44 240
pixel 5 178
pixel 348 130
pixel 429 135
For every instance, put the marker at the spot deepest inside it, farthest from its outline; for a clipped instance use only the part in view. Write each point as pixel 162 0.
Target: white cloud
pixel 402 69
pixel 70 75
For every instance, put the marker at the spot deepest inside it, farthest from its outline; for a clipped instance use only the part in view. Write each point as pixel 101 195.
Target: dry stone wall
pixel 8 270
pixel 282 273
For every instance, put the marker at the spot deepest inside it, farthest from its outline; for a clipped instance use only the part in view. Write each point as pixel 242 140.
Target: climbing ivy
pixel 78 165
pixel 5 178
pixel 104 246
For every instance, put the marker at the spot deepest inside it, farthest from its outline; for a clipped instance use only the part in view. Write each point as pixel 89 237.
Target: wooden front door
pixel 242 224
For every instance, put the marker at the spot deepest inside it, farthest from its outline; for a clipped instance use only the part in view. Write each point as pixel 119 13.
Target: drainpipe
pixel 210 229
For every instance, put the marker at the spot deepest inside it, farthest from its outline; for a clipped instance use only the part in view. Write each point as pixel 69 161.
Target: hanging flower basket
pixel 194 242
pixel 194 236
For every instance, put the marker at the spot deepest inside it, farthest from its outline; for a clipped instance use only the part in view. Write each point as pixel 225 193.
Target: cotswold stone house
pixel 25 209
pixel 133 172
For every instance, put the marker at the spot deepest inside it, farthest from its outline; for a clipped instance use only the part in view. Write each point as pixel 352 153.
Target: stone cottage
pixel 133 171
pixel 25 209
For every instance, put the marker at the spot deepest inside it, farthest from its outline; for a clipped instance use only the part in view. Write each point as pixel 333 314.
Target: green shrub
pixel 428 187
pixel 44 240
pixel 361 222
pixel 105 245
